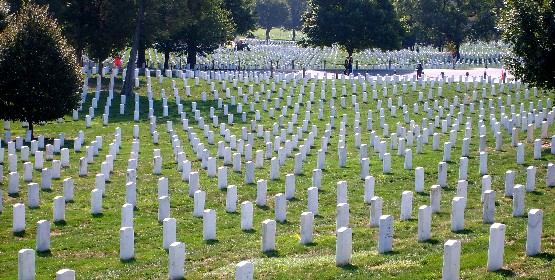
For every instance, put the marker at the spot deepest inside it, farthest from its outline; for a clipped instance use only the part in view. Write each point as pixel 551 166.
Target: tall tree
pixel 297 9
pixel 242 15
pixel 39 77
pixel 441 23
pixel 210 25
pixel 272 13
pixel 99 27
pixel 130 70
pixel 529 27
pixel 353 24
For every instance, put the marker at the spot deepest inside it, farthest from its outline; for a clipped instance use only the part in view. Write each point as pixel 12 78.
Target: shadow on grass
pixel 19 233
pixel 431 241
pixel 47 190
pixel 391 253
pixel 294 199
pixel 14 195
pixel 423 193
pixel 212 241
pixel 464 231
pixel 131 260
pixel 98 215
pixel 349 267
pixel 311 244
pixel 60 223
pixel 45 254
pixel 536 192
pixel 263 207
pixel 250 231
pixel 271 254
pixel 544 256
pixel 505 273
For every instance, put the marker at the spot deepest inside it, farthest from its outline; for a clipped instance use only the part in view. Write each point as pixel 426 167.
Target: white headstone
pixel 496 246
pixel 385 237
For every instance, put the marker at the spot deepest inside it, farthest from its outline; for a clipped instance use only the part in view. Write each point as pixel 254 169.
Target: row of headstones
pixel 109 99
pixel 452 248
pixel 496 248
pixel 244 270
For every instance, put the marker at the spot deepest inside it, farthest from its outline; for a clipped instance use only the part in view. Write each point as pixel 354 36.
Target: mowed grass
pixel 90 244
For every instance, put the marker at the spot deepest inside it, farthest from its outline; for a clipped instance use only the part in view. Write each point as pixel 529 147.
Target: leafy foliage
pixel 39 77
pixel 441 23
pixel 210 26
pixel 272 13
pixel 98 27
pixel 529 26
pixel 242 14
pixel 353 24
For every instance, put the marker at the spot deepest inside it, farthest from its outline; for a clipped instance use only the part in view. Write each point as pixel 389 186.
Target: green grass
pixel 279 34
pixel 90 245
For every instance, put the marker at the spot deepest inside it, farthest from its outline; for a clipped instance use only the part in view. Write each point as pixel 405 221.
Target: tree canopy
pixel 272 13
pixel 441 23
pixel 529 27
pixel 353 24
pixel 39 76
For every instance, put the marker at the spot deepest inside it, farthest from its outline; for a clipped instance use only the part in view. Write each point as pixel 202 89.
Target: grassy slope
pixel 90 244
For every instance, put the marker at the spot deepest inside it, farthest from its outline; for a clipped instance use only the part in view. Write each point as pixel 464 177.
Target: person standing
pixel 419 70
pixel 348 65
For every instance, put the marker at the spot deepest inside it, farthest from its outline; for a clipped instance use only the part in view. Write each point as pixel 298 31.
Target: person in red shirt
pixel 117 61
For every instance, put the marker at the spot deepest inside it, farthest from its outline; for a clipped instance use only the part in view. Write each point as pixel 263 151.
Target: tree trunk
pixel 458 50
pixel 31 128
pixel 166 59
pixel 141 57
pixel 192 57
pixel 294 34
pixel 128 84
pixel 268 33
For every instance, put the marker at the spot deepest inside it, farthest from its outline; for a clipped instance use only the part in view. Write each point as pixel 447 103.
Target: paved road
pixel 495 73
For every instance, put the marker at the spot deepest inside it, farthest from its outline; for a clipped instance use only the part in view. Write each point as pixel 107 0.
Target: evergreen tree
pixel 39 77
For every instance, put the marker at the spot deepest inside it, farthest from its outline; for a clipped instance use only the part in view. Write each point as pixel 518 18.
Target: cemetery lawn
pixel 90 244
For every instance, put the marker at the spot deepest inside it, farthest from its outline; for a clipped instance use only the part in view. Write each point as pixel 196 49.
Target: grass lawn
pixel 90 244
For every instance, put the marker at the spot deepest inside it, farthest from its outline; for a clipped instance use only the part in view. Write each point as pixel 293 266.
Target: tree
pixel 39 77
pixel 98 27
pixel 127 84
pixel 441 23
pixel 272 13
pixel 297 9
pixel 4 14
pixel 529 27
pixel 353 24
pixel 242 15
pixel 209 26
